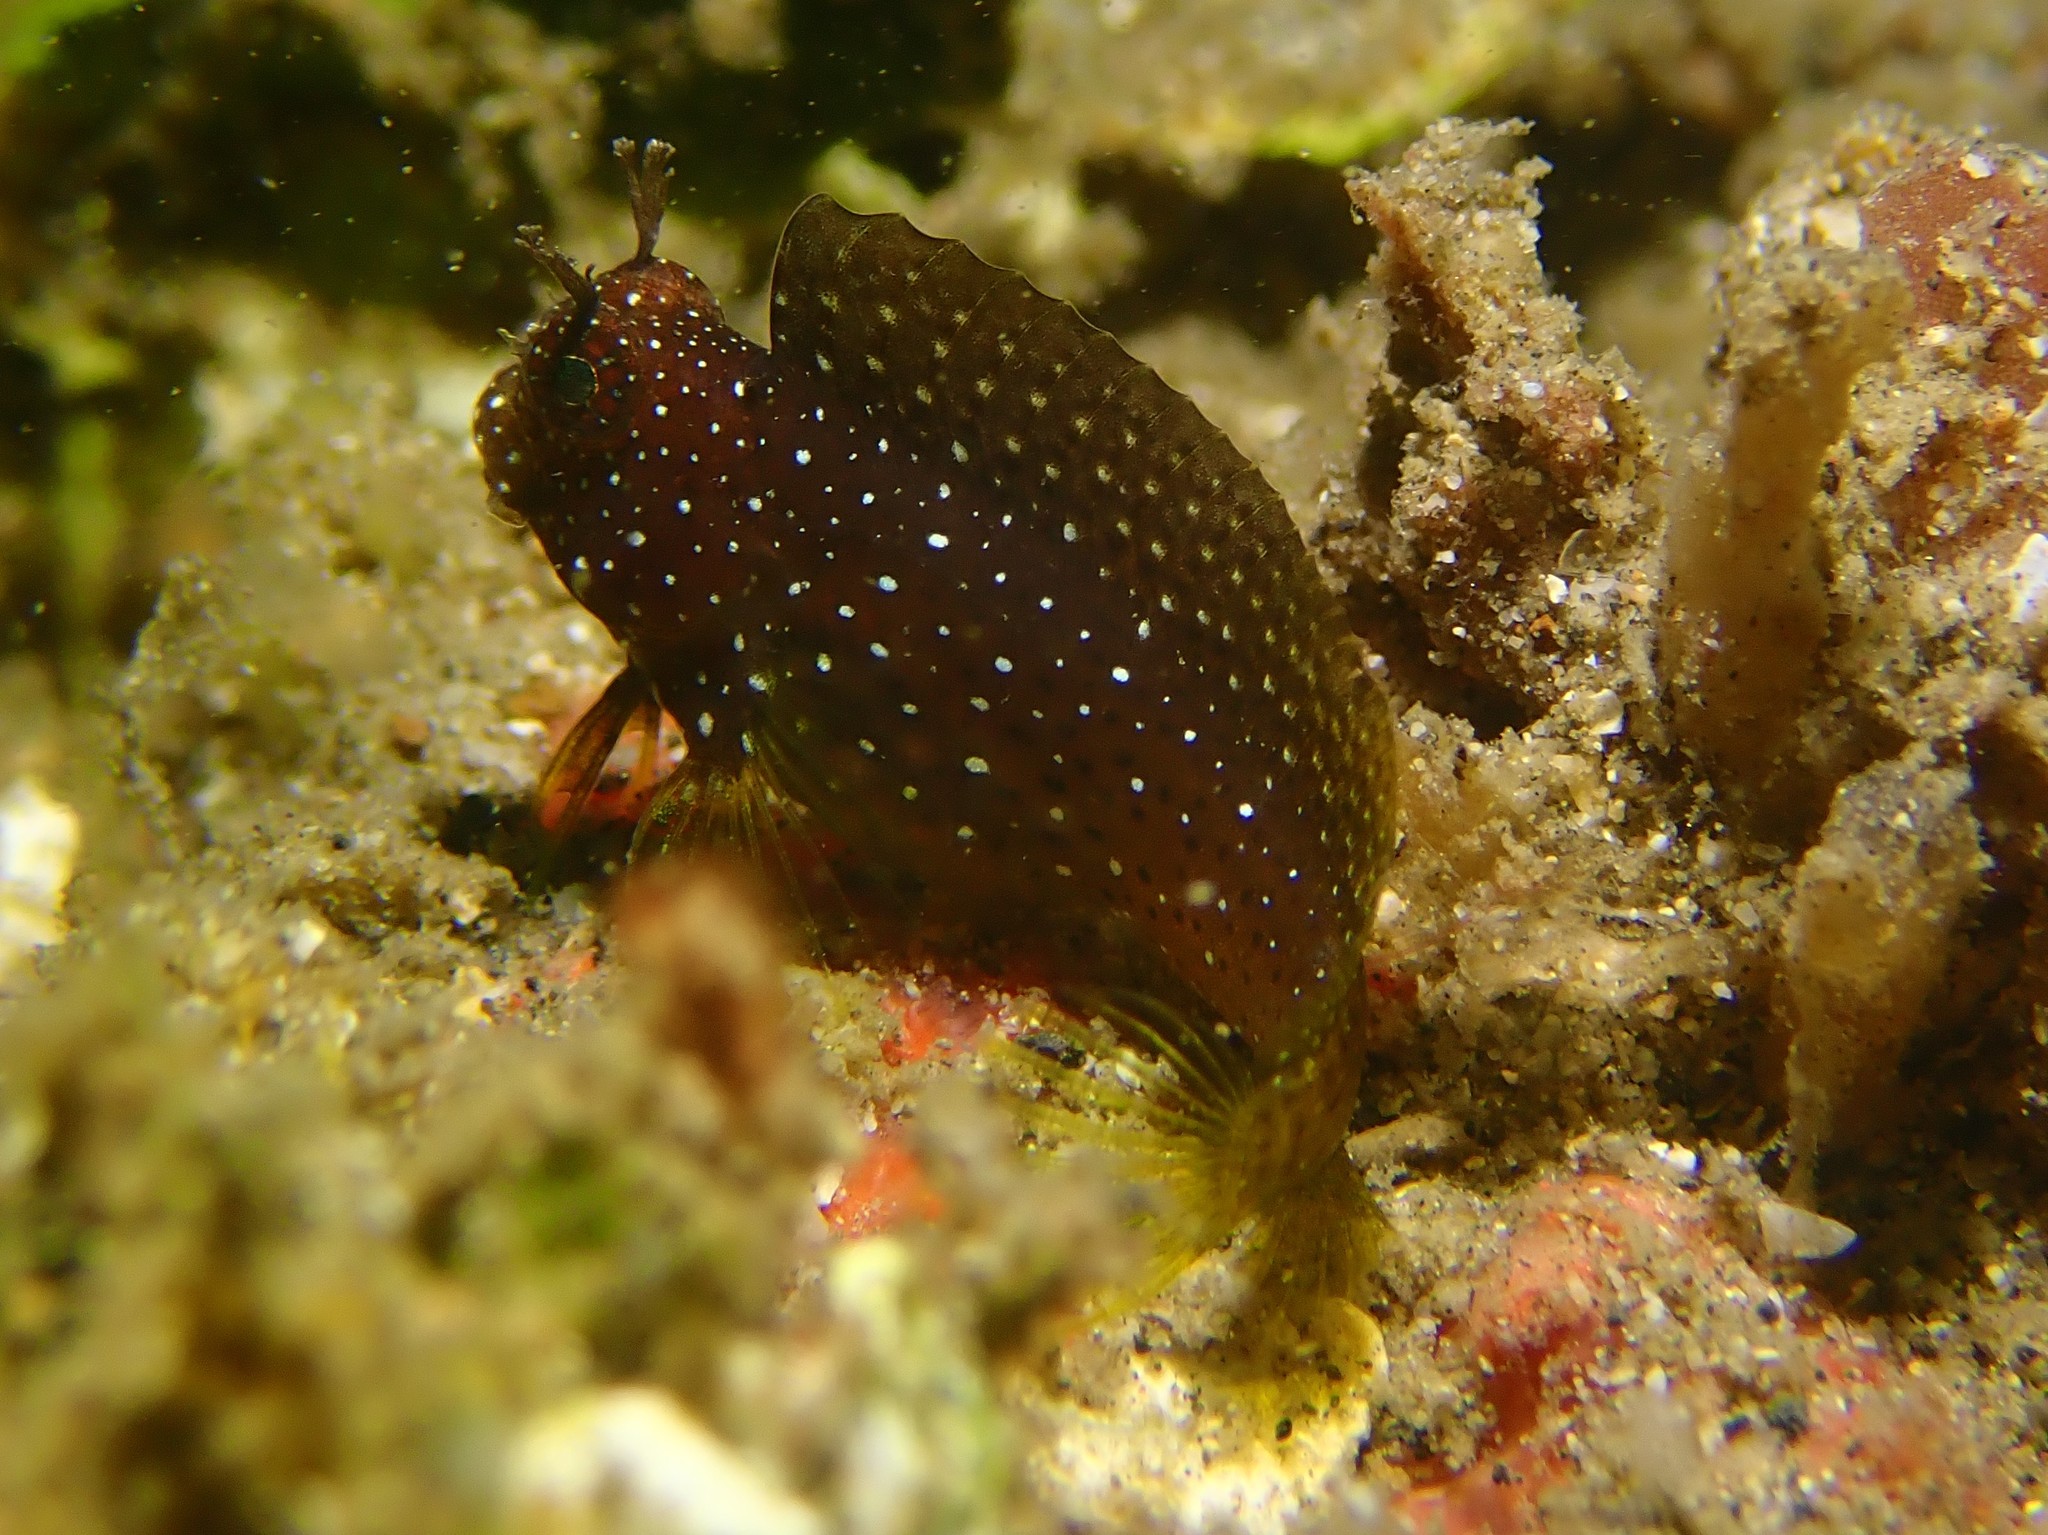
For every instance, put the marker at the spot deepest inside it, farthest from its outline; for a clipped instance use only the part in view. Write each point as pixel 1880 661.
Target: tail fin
pixel 1183 1106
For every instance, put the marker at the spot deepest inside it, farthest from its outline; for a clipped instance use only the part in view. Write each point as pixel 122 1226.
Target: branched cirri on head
pixel 949 572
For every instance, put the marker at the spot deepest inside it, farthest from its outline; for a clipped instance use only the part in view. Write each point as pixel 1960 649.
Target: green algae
pixel 88 516
pixel 1482 43
pixel 27 35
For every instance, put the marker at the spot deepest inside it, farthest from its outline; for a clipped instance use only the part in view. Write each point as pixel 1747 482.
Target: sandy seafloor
pixel 360 1169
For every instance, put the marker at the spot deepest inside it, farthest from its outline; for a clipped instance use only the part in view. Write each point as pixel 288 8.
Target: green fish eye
pixel 575 382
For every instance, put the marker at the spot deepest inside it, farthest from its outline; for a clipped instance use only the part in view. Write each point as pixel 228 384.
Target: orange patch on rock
pixel 935 1018
pixel 885 1189
pixel 1974 240
pixel 1551 1305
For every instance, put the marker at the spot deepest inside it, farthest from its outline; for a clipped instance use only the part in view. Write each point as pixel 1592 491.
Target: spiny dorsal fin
pixel 964 358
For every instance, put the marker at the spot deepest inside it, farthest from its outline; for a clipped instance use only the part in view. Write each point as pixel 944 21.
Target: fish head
pixel 582 379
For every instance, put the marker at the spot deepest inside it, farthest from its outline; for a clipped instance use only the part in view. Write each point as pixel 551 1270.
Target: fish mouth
pixel 504 440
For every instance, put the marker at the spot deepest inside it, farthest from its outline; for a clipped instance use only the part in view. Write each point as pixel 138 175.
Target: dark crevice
pixel 1618 185
pixel 889 75
pixel 1379 615
pixel 1256 259
pixel 507 832
pixel 252 136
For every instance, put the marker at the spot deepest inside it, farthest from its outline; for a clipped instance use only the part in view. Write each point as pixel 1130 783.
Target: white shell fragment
pixel 2029 576
pixel 630 1457
pixel 1400 1140
pixel 38 846
pixel 1838 222
pixel 1800 1236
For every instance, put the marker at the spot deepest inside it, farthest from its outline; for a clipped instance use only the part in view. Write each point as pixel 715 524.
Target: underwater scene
pixel 1023 767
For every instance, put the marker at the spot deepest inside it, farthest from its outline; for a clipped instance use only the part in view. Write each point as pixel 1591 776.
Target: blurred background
pixel 204 202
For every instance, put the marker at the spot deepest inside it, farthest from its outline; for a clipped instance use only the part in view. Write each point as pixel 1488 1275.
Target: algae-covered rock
pixel 1508 487
pixel 1874 923
pixel 237 1297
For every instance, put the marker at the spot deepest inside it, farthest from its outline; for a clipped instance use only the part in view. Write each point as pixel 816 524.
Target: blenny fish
pixel 948 575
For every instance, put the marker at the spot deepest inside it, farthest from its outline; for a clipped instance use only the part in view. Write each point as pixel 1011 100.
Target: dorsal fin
pixel 964 358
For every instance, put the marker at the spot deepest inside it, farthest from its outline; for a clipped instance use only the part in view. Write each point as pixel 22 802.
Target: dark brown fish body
pixel 989 600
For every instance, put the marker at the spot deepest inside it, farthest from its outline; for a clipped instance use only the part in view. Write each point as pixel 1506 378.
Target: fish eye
pixel 575 382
